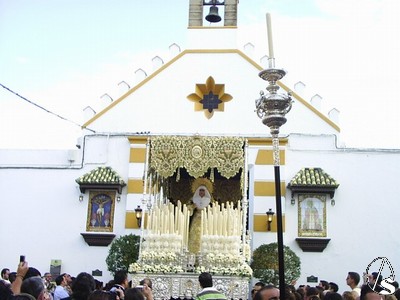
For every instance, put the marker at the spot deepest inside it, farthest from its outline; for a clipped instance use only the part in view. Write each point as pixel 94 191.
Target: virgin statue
pixel 201 199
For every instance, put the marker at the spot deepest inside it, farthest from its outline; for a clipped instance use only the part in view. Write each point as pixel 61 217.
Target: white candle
pixel 155 221
pixel 224 221
pixel 148 221
pixel 172 224
pixel 166 219
pixel 187 229
pixel 210 222
pixel 176 219
pixel 206 222
pixel 215 219
pixel 269 30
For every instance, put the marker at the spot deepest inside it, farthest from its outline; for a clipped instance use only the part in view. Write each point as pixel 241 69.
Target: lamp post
pixel 138 214
pixel 270 214
pixel 272 109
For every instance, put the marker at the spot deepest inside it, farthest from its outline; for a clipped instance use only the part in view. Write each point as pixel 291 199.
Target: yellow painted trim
pixel 138 140
pixel 131 222
pixel 267 188
pixel 259 141
pixel 260 223
pixel 135 186
pixel 266 157
pixel 137 155
pixel 165 66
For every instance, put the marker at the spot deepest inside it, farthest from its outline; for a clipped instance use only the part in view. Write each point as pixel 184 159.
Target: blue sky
pixel 65 54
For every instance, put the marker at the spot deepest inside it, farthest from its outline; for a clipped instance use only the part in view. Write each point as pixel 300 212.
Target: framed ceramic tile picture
pixel 312 215
pixel 101 211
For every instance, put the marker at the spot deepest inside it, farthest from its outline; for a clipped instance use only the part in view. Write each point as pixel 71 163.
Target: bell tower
pixel 196 8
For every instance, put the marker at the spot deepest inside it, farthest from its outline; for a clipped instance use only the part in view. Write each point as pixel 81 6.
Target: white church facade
pixel 51 212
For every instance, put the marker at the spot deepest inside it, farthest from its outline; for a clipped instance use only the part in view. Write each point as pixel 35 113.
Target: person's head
pixel 4 273
pixel 102 295
pixel 121 278
pixel 349 295
pixel 368 294
pixel 61 280
pixel 68 278
pixel 12 276
pixel 202 191
pixel 34 286
pixel 268 292
pixel 257 286
pixel 146 281
pixel 301 290
pixel 32 272
pixel 5 290
pixel 333 296
pixel 333 287
pixel 109 285
pixel 99 284
pixel 47 276
pixel 83 286
pixel 205 280
pixel 320 291
pixel 290 292
pixel 375 277
pixel 397 293
pixel 134 294
pixel 324 284
pixel 353 279
pixel 312 291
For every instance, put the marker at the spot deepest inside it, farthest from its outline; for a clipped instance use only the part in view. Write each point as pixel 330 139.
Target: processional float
pixel 175 167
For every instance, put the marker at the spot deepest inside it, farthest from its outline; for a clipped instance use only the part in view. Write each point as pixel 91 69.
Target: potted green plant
pixel 266 268
pixel 123 251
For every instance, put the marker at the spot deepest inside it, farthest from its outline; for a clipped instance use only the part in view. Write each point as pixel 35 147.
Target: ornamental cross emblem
pixel 209 97
pixel 210 101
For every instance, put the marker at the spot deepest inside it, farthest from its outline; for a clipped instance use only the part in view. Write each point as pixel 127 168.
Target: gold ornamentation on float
pixel 197 155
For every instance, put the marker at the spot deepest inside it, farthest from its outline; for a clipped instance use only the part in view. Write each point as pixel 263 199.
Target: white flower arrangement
pixel 154 256
pixel 222 255
pixel 242 270
pixel 223 259
pixel 154 268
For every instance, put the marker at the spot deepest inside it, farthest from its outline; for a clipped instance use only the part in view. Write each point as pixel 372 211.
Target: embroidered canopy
pixel 197 155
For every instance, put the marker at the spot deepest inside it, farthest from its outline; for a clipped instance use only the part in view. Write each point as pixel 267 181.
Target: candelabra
pixel 272 109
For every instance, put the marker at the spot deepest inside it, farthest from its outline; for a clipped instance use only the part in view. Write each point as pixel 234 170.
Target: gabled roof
pixel 313 180
pixel 313 177
pixel 144 95
pixel 101 177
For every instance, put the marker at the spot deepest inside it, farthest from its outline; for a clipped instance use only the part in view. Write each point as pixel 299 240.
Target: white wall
pixel 42 217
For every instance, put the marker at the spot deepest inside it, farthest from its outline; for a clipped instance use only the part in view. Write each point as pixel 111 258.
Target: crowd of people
pixel 370 289
pixel 27 283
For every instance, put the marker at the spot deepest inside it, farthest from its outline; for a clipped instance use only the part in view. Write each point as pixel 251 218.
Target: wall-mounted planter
pixel 98 239
pixel 312 244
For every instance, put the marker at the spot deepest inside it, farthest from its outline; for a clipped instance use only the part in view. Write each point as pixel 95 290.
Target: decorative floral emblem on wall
pixel 209 97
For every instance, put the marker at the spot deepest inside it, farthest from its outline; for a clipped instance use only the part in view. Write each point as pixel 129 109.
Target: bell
pixel 213 16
